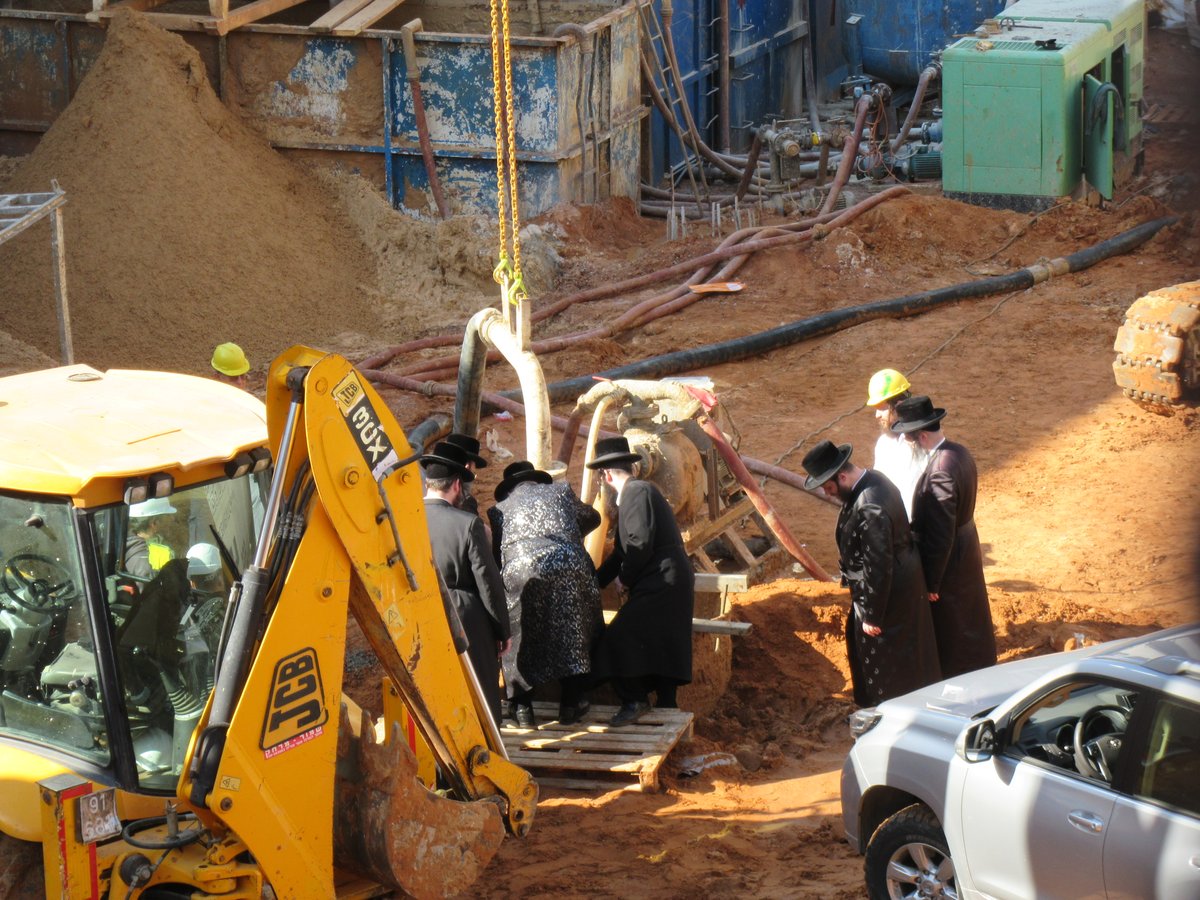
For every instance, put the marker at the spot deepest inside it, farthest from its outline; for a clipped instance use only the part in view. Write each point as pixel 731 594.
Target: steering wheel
pixel 1094 756
pixel 47 593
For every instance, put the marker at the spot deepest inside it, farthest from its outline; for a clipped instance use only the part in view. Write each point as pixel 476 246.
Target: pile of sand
pixel 185 228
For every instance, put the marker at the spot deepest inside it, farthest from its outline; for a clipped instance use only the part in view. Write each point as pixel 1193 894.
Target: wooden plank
pixel 705 562
pixel 338 14
pixel 699 626
pixel 720 582
pixel 702 533
pixel 253 12
pixel 749 560
pixel 583 763
pixel 373 12
pixel 218 9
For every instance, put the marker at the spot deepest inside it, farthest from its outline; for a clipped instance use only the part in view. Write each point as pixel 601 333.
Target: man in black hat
pixel 889 632
pixel 648 645
pixel 553 600
pixel 470 447
pixel 943 522
pixel 463 556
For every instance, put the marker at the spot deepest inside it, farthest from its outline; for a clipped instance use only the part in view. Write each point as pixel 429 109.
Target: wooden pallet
pixel 590 755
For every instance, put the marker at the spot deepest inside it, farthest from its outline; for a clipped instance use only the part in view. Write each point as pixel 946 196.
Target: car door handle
pixel 1085 821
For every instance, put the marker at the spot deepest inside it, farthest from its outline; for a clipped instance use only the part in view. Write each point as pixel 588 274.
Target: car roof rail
pixel 1175 665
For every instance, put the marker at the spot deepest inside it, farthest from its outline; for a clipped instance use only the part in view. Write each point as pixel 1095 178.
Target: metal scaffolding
pixel 17 213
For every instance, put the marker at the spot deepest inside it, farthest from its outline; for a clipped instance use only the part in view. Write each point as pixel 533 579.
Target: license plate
pixel 97 814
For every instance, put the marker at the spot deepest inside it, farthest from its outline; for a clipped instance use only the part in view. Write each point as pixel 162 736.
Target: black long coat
pixel 550 583
pixel 880 566
pixel 464 559
pixel 944 526
pixel 652 632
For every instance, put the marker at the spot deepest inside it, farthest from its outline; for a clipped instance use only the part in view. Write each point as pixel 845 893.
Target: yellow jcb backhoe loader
pixel 178 567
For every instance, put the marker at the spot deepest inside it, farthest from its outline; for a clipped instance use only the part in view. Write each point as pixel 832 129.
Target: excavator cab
pixel 67 604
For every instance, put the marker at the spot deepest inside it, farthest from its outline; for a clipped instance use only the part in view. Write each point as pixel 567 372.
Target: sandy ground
pixel 1087 505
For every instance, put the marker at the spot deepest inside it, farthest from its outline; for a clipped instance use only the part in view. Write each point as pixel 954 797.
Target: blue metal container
pixel 346 103
pixel 898 39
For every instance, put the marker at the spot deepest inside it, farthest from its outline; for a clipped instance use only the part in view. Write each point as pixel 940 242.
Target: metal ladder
pixel 656 65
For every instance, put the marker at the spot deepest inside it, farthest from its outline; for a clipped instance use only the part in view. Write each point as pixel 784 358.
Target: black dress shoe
pixel 524 716
pixel 569 715
pixel 629 713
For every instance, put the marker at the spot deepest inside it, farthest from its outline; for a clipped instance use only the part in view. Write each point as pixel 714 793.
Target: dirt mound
pixel 183 227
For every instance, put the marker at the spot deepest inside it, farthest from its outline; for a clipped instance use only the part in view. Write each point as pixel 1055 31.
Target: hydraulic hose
pixel 770 517
pixel 849 152
pixel 838 319
pixel 927 75
pixel 736 253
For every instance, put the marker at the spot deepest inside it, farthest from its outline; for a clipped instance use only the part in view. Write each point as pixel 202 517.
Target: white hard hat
pixel 155 506
pixel 203 559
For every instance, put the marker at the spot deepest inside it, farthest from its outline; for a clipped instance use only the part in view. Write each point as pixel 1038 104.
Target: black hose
pixel 838 319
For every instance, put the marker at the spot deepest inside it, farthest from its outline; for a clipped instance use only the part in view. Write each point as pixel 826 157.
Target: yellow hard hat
pixel 886 384
pixel 228 359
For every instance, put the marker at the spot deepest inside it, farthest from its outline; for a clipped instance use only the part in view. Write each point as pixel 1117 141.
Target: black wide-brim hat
pixel 612 451
pixel 518 472
pixel 824 461
pixel 446 461
pixel 916 414
pixel 469 446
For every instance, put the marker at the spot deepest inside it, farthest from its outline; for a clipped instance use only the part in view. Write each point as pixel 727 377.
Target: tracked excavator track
pixel 1158 349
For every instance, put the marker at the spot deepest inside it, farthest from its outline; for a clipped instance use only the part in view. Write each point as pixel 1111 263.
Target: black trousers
pixel 636 690
pixel 572 689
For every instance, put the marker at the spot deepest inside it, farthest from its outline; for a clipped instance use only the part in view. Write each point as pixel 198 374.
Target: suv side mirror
pixel 977 742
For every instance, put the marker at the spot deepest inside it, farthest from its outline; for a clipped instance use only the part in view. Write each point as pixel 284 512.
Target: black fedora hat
pixel 612 451
pixel 446 461
pixel 824 461
pixel 916 414
pixel 515 473
pixel 468 445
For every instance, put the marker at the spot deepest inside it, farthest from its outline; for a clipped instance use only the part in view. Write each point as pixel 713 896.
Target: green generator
pixel 1044 102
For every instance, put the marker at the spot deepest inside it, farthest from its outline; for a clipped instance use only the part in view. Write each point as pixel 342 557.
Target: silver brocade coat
pixel 549 582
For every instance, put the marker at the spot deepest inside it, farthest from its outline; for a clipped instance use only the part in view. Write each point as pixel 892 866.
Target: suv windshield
pixel 166 566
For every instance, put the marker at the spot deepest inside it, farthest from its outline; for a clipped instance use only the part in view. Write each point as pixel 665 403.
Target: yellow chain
pixel 498 109
pixel 511 122
pixel 507 274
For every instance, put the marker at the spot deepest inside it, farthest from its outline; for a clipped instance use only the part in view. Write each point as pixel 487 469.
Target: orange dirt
pixel 1087 504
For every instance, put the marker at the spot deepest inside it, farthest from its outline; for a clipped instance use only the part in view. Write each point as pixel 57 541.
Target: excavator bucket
pixel 391 828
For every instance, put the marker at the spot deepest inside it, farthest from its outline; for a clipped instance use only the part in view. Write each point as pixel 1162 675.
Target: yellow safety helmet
pixel 884 385
pixel 228 359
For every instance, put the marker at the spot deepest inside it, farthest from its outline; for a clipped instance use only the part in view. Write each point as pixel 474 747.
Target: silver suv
pixel 1068 775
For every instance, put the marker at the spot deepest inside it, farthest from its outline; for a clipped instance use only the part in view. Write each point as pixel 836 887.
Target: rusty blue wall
pixel 345 102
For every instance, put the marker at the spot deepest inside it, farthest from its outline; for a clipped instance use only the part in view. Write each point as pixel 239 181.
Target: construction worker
pixel 230 364
pixel 900 461
pixel 145 550
pixel 204 569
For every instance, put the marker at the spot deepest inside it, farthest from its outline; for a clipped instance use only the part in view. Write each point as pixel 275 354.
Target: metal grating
pixel 1137 33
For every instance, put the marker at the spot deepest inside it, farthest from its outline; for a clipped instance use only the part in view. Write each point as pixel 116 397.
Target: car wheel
pixel 907 858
